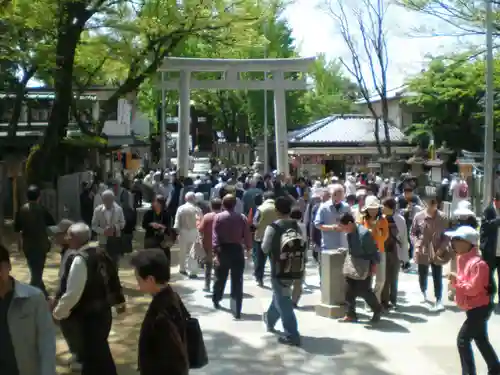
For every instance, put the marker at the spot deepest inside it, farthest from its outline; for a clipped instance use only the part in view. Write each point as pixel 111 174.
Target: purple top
pixel 231 228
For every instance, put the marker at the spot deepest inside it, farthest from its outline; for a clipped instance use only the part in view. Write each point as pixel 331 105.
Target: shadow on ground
pixel 229 355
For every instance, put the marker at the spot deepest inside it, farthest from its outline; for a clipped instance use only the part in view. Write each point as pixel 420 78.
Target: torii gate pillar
pixel 232 80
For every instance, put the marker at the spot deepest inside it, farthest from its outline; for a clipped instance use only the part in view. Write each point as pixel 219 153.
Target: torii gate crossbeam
pixel 231 80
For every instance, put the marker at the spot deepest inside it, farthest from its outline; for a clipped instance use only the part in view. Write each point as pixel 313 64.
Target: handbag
pixel 197 251
pixel 197 352
pixel 356 268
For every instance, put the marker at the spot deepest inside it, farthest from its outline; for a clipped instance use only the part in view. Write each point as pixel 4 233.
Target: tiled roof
pixel 344 129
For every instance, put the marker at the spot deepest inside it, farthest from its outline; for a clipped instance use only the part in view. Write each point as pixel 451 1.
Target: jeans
pixel 96 354
pixel 390 291
pixel 72 332
pixel 475 328
pixel 437 278
pixel 261 258
pixel 231 259
pixel 281 307
pixel 208 273
pixel 363 289
pixel 36 265
pixel 380 277
pixel 297 290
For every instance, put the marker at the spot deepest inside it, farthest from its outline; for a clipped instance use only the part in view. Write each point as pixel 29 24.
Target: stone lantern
pixel 444 153
pixel 417 162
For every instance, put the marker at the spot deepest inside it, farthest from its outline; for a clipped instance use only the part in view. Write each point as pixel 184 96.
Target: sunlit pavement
pixel 412 341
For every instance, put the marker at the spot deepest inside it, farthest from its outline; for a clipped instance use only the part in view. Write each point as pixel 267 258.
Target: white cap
pixel 465 233
pixel 463 209
pixel 372 202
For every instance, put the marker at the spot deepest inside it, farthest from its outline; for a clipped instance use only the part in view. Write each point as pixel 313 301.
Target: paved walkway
pixel 413 341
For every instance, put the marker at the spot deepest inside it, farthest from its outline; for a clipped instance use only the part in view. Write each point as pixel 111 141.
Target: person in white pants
pixel 186 224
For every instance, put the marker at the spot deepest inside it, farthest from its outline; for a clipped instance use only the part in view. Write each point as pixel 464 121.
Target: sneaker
pixel 183 272
pixel 260 283
pixel 206 289
pixel 216 305
pixel 193 276
pixel 268 327
pixel 348 319
pixel 424 298
pixel 287 340
pixel 438 307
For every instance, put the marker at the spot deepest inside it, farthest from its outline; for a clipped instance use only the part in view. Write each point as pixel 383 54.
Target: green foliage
pixel 332 93
pixel 449 99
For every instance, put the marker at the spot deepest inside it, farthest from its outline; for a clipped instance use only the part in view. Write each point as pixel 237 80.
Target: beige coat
pixel 100 222
pixel 427 236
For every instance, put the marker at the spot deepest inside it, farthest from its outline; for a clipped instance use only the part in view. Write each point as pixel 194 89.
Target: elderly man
pixel 186 224
pixel 27 334
pixel 89 287
pixel 108 221
pixel 328 218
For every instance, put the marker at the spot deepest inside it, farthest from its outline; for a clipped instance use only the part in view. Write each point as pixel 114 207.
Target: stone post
pixel 332 284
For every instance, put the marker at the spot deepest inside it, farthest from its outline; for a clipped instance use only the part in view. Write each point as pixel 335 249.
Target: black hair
pixel 269 195
pixel 283 205
pixel 4 254
pixel 33 193
pixel 152 262
pixel 258 200
pixel 347 218
pixel 390 203
pixel 296 213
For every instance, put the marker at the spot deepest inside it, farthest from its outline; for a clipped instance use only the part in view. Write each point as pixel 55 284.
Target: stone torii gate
pixel 232 79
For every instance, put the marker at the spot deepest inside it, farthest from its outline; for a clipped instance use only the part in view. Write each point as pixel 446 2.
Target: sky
pixel 409 37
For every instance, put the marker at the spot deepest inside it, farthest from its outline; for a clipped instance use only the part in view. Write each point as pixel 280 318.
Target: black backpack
pixel 290 259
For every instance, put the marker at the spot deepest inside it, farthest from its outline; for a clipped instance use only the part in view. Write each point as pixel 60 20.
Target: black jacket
pixel 489 232
pixel 162 339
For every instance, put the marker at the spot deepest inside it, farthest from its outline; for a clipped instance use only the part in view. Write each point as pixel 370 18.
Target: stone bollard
pixel 332 284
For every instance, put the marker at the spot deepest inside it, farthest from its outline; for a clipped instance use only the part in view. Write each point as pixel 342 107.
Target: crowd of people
pixel 383 227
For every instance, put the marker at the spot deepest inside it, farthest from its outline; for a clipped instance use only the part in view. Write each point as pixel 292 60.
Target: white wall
pixel 128 120
pixel 397 115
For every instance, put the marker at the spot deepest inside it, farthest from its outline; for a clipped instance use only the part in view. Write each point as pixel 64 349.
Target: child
pixel 296 214
pixel 472 294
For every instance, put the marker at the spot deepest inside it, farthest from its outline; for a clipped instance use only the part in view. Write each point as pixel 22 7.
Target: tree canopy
pixel 448 99
pixel 72 45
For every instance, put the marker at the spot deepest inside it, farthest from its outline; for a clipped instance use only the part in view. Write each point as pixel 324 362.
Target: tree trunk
pixel 43 164
pixel 385 123
pixel 18 103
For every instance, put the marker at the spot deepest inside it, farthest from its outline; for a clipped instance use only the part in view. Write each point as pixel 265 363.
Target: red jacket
pixel 472 282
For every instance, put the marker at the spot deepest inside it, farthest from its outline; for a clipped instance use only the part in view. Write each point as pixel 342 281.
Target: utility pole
pixel 163 133
pixel 266 130
pixel 489 130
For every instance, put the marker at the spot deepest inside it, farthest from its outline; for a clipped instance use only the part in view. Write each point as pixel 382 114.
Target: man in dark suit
pixel 489 244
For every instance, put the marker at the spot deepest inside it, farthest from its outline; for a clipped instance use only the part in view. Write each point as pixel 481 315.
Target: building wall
pixel 397 114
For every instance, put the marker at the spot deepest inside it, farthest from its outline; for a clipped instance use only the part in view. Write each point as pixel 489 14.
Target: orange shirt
pixel 380 232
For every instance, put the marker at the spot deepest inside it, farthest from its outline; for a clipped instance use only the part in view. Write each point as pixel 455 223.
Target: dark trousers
pixel 261 259
pixel 96 354
pixel 72 332
pixel 208 273
pixel 390 290
pixel 363 289
pixel 494 265
pixel 231 259
pixel 475 328
pixel 114 249
pixel 36 264
pixel 437 278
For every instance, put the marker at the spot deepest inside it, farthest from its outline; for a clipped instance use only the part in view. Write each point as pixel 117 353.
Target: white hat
pixel 465 233
pixel 372 202
pixel 199 197
pixel 463 209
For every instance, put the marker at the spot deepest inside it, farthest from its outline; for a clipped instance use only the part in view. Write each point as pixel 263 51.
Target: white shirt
pixel 186 218
pixel 108 214
pixel 77 278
